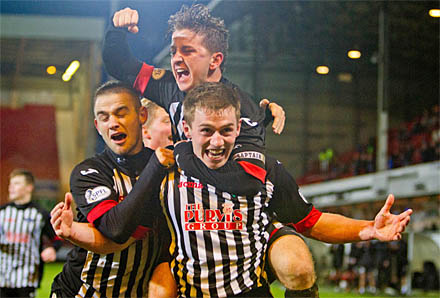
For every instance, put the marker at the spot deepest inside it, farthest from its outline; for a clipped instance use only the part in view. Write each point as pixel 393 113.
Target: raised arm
pixel 334 228
pixel 116 54
pixel 126 18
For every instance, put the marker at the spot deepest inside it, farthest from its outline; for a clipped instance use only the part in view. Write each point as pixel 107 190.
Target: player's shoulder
pixel 39 208
pixel 272 163
pixel 242 93
pixel 95 166
pixel 4 206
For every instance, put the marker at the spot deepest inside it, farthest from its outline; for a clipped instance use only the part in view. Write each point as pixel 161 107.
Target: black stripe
pixel 89 293
pixel 106 272
pixel 134 271
pixel 209 247
pixel 152 256
pixel 92 268
pixel 18 230
pixel 253 276
pixel 122 265
pixel 178 207
pixel 193 242
pixel 176 122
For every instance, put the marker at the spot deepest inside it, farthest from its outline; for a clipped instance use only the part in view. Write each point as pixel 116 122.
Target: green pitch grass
pixel 52 269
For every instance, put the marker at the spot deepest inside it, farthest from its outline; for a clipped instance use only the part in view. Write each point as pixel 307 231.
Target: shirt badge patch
pixel 250 155
pixel 97 194
pixel 158 73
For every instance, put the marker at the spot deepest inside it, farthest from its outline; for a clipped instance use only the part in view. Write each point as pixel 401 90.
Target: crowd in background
pixel 375 266
pixel 413 142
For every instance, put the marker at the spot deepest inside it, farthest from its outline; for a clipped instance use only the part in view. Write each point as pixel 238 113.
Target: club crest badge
pixel 158 73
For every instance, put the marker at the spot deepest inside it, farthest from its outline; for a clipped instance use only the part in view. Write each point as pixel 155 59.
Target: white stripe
pixel 179 125
pixel 201 245
pixel 217 253
pixel 2 253
pixel 23 248
pixel 117 179
pixel 233 257
pixel 187 244
pixel 127 182
pixel 10 257
pixel 18 215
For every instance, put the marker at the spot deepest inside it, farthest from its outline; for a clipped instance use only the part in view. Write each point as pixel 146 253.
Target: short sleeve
pixel 92 190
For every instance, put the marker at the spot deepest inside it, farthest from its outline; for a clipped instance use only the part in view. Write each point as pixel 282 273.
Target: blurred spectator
pixel 411 143
pixel 427 280
pixel 399 265
pixel 337 252
pixel 382 264
pixel 23 223
pixel 365 267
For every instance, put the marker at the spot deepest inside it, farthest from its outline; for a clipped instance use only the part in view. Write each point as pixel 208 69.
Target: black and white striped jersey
pixel 98 184
pixel 21 231
pixel 218 239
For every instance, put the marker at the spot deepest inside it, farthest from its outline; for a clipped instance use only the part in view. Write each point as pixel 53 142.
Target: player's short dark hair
pixel 114 87
pixel 211 96
pixel 198 19
pixel 28 176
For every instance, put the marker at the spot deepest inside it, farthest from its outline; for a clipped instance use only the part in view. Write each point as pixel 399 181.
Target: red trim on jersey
pixel 143 78
pixel 57 238
pixel 140 232
pixel 308 221
pixel 100 209
pixel 273 233
pixel 254 170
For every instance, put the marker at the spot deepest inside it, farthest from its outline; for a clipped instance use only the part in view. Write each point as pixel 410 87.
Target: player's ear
pixel 238 127
pixel 186 129
pixel 145 133
pixel 216 60
pixel 143 114
pixel 30 188
pixel 96 126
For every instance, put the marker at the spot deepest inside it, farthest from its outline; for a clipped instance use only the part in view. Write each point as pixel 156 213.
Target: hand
pixel 62 217
pixel 165 157
pixel 278 114
pixel 127 18
pixel 48 254
pixel 387 226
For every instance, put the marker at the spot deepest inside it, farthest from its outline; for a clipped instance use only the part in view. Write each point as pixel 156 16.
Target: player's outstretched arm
pixel 278 114
pixel 335 228
pixel 81 234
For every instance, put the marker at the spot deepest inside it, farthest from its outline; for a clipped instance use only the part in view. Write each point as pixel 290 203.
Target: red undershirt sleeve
pixel 143 78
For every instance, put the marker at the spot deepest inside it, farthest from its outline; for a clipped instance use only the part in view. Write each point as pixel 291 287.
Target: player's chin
pixel 215 163
pixel 185 85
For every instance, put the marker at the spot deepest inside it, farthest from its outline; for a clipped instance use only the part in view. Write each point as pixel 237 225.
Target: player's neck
pixel 215 76
pixel 23 201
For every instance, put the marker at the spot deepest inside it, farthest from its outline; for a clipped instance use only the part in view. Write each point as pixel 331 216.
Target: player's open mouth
pixel 182 73
pixel 118 137
pixel 215 153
